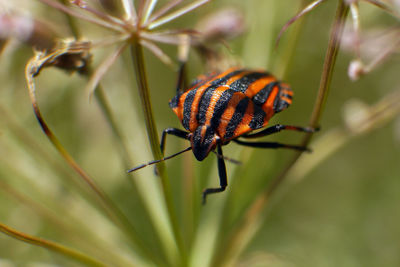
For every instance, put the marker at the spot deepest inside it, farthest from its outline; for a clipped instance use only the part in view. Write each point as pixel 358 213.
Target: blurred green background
pixel 344 212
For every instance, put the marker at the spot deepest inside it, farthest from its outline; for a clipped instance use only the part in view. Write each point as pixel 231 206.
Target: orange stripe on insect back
pixel 179 109
pixel 258 85
pixel 217 94
pixel 193 123
pixel 244 127
pixel 289 101
pixel 222 74
pixel 236 77
pixel 228 114
pixel 268 106
pixel 287 92
pixel 179 114
pixel 213 101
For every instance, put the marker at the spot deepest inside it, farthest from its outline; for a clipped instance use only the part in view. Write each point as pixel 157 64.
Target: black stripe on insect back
pixel 287 96
pixel 258 118
pixel 174 102
pixel 220 107
pixel 279 103
pixel 262 96
pixel 187 107
pixel 243 83
pixel 236 118
pixel 223 80
pixel 208 93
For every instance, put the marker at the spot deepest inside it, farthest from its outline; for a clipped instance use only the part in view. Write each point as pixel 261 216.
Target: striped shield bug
pixel 220 108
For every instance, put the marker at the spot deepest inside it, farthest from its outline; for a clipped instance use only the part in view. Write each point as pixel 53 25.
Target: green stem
pixel 68 252
pixel 244 230
pixel 70 228
pixel 324 85
pixel 111 210
pixel 141 78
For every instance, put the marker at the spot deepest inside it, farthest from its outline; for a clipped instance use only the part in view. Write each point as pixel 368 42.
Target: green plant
pixel 95 213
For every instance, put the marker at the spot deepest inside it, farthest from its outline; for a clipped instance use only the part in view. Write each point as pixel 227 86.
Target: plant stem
pixel 68 252
pixel 324 85
pixel 245 229
pixel 111 210
pixel 141 78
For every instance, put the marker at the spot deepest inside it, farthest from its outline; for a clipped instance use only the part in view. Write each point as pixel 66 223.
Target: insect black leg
pixel 271 145
pixel 183 52
pixel 222 176
pixel 181 78
pixel 280 127
pixel 172 131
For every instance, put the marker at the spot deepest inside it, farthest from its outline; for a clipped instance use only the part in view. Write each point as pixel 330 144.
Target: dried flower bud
pixel 68 55
pixel 227 23
pixel 373 41
pixel 355 70
pixel 26 30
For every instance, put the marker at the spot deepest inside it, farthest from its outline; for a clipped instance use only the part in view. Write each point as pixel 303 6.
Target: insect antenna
pixel 157 161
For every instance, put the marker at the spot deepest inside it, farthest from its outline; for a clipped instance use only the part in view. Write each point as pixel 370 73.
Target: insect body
pixel 221 108
pixel 229 105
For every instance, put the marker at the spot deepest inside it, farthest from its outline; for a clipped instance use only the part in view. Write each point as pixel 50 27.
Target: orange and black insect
pixel 220 108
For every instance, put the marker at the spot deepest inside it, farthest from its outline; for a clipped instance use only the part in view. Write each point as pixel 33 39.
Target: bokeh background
pixel 340 208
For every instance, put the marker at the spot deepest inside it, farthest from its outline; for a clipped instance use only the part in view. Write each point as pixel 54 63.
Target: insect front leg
pixel 223 182
pixel 173 131
pixel 279 127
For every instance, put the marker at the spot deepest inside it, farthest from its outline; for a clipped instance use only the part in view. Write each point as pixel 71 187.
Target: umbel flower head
pixel 141 25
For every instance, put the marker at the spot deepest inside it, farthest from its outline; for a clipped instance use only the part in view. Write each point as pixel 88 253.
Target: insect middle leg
pixel 279 127
pixel 274 145
pixel 223 182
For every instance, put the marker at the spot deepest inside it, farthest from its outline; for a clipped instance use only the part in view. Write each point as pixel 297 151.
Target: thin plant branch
pixel 384 111
pixel 167 7
pixel 290 49
pixel 148 9
pixel 182 11
pixel 129 8
pixel 384 7
pixel 141 78
pixel 73 13
pixel 244 230
pixel 157 52
pixel 106 109
pixel 114 213
pixel 69 227
pixel 102 69
pixel 50 245
pixel 383 56
pixel 172 39
pixel 303 12
pixel 354 11
pixel 101 15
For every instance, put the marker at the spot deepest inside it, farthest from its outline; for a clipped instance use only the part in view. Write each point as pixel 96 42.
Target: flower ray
pixel 180 12
pixel 304 11
pixel 102 69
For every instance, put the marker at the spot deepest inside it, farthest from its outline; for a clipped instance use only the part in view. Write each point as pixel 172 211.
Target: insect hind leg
pixel 279 127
